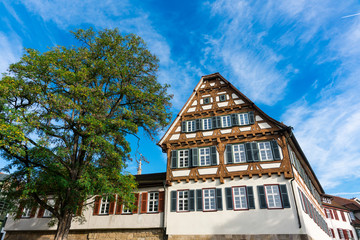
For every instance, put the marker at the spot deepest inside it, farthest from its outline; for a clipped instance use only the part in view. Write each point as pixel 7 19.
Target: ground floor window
pixel 209 199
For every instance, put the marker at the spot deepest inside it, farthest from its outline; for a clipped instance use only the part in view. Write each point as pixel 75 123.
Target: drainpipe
pixel 165 236
pixel 291 182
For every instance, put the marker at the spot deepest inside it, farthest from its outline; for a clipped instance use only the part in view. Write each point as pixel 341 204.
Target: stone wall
pixel 109 234
pixel 242 237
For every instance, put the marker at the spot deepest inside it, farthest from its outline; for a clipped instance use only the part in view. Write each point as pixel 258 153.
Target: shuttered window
pixel 243 119
pixel 125 209
pixel 183 200
pixel 104 205
pixel 240 198
pixel 204 156
pixel 207 123
pixel 225 121
pixel 265 151
pixel 328 214
pixel 26 213
pixel 183 158
pixel 190 126
pixel 47 213
pixel 239 153
pixel 209 199
pixel 273 196
pixel 153 202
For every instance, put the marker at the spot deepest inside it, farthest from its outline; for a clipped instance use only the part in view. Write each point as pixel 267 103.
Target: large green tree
pixel 65 116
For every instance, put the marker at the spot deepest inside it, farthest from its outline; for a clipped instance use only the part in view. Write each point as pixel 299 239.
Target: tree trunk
pixel 63 227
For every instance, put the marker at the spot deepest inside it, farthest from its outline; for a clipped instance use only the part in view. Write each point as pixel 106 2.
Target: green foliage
pixel 65 115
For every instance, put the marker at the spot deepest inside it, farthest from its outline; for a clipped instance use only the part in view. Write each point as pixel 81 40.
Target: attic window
pixel 207 100
pixel 222 98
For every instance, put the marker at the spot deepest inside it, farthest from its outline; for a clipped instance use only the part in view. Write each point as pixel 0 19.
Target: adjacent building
pixel 233 172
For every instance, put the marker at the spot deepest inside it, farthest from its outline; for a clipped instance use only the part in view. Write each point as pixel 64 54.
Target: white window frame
pixel 239 153
pixel 153 202
pixel 104 205
pixel 26 213
pixel 209 199
pixel 126 210
pixel 190 126
pixel 273 197
pixel 208 125
pixel 265 151
pixel 183 200
pixel 183 160
pixel 226 121
pixel 204 156
pixel 47 213
pixel 240 198
pixel 243 119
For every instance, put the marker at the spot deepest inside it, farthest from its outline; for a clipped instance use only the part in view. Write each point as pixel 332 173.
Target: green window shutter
pixel 194 157
pixel 173 158
pixel 229 154
pixel 301 200
pixel 214 123
pixel 173 201
pixel 262 197
pixel 183 126
pixel 229 199
pixel 213 155
pixel 218 199
pixel 248 151
pixel 191 200
pixel 284 196
pixel 198 125
pixel 255 152
pixel 234 119
pixel 251 118
pixel 199 205
pixel 218 120
pixel 250 194
pixel 275 149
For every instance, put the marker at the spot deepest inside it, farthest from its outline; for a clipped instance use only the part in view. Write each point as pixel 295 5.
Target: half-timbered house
pixel 233 172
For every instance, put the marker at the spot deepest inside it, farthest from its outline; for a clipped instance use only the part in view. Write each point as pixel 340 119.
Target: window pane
pixel 207 123
pixel 204 155
pixel 209 199
pixel 273 196
pixel 239 195
pixel 225 121
pixel 265 151
pixel 183 158
pixel 239 153
pixel 243 119
pixel 153 201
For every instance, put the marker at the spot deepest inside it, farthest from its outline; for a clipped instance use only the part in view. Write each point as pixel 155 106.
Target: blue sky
pixel 297 60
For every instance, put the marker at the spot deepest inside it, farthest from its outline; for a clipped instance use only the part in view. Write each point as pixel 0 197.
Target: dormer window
pixel 207 100
pixel 222 98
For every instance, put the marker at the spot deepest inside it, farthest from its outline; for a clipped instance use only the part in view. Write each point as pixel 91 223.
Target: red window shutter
pixel 33 212
pixel 112 205
pixel 136 203
pixel 345 234
pixel 331 214
pixel 41 212
pixel 79 208
pixel 325 213
pixel 343 216
pixel 97 205
pixel 144 202
pixel 336 215
pixel 339 232
pixel 332 233
pixel 118 206
pixel 161 201
pixel 351 233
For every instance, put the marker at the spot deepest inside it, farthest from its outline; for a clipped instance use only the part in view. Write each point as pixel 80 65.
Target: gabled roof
pixel 212 76
pixel 343 203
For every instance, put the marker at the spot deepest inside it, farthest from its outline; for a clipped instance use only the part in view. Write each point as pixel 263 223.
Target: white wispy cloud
pixel 243 48
pixel 11 50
